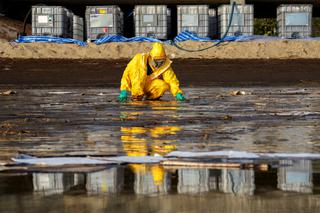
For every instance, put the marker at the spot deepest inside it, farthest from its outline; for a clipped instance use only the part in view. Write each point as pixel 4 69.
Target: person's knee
pixel 161 84
pixel 137 93
pixel 156 89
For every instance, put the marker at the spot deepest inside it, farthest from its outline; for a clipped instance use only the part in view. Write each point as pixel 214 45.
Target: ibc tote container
pixel 78 28
pixel 103 21
pixel 50 21
pixel 152 21
pixel 242 20
pixel 169 28
pixel 193 18
pixel 70 23
pixel 294 20
pixel 213 23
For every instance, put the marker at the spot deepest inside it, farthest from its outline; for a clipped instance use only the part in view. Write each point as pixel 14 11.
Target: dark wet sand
pixel 190 72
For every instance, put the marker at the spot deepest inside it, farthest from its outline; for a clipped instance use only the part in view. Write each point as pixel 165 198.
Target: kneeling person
pixel 150 75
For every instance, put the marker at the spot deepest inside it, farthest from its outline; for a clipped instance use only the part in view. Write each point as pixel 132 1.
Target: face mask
pixel 157 63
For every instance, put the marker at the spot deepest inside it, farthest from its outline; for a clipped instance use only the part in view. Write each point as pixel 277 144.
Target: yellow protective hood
pixel 158 51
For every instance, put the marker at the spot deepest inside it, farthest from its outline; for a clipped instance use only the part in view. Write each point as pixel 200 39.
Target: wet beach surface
pixel 48 117
pixel 82 122
pixel 79 122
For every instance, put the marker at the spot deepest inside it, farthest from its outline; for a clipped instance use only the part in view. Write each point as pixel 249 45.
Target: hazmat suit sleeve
pixel 125 80
pixel 171 78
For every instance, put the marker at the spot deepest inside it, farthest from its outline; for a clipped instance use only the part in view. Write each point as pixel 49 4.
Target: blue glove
pixel 180 97
pixel 123 96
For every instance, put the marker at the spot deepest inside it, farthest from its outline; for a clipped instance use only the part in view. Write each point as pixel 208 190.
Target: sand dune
pixel 9 28
pixel 282 49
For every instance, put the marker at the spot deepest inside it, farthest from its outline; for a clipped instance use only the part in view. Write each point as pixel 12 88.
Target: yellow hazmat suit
pixel 143 78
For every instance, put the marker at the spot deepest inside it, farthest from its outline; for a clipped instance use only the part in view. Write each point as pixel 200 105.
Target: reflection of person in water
pixel 149 178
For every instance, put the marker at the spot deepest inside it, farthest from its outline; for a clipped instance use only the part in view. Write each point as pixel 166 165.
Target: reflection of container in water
pixel 294 20
pixel 48 183
pixel 152 21
pixel 214 177
pixel 103 21
pixel 106 181
pixel 242 20
pixel 297 178
pixel 50 21
pixel 150 180
pixel 54 183
pixel 193 180
pixel 237 181
pixel 193 18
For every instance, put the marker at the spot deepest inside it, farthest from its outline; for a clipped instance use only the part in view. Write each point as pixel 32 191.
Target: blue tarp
pixel 188 36
pixel 183 36
pixel 49 39
pixel 118 38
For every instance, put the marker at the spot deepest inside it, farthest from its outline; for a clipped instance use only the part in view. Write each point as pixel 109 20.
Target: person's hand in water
pixel 123 96
pixel 180 97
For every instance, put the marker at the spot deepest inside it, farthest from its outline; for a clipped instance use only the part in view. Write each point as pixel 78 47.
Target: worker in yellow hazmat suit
pixel 150 75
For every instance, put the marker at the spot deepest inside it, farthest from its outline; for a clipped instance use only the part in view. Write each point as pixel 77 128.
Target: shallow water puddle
pixel 293 184
pixel 82 122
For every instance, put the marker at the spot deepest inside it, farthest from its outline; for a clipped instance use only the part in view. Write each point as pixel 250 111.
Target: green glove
pixel 180 97
pixel 123 96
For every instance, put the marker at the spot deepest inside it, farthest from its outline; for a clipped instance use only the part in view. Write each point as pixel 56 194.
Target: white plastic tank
pixel 294 20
